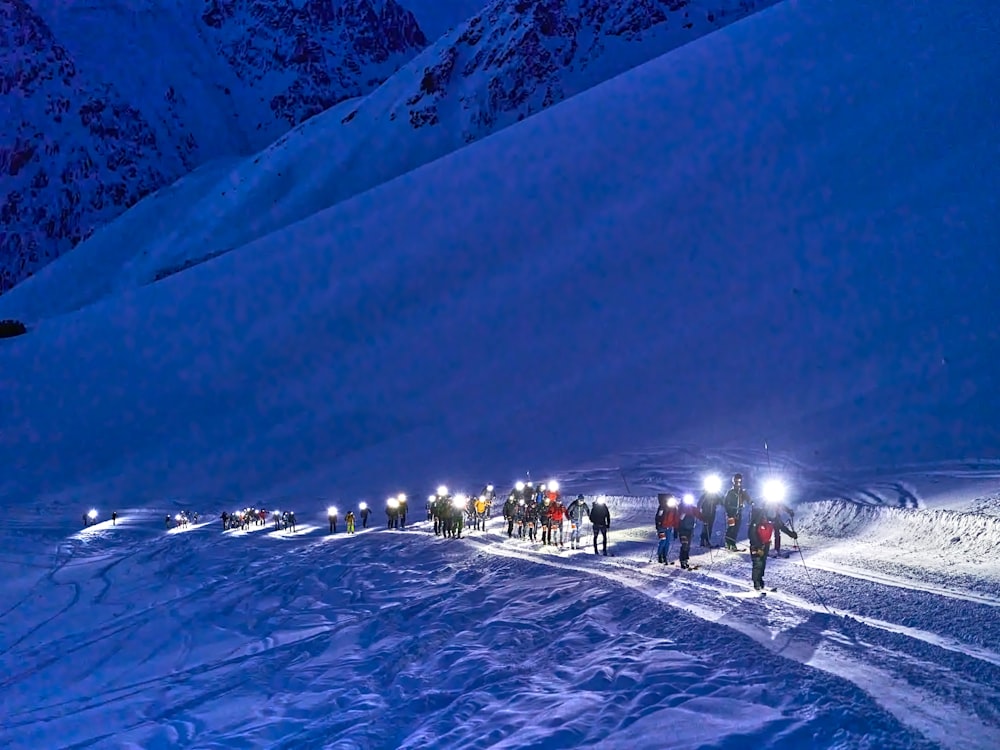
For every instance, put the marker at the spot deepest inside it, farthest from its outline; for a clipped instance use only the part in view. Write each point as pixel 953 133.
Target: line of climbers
pixel 531 513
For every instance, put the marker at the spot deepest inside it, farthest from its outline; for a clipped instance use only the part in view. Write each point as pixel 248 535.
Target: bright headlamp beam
pixel 774 491
pixel 713 484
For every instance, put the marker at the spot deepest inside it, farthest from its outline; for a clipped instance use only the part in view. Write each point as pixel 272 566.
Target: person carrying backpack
pixel 600 517
pixel 665 521
pixel 763 522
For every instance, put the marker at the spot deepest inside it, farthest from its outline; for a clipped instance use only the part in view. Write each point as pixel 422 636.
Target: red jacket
pixel 557 512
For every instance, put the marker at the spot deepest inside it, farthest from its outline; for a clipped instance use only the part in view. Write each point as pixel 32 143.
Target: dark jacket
pixel 736 500
pixel 600 515
pixel 708 503
pixel 689 515
pixel 577 511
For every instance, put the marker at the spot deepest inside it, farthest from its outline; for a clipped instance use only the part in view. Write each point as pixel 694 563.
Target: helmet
pixel 737 478
pixel 579 497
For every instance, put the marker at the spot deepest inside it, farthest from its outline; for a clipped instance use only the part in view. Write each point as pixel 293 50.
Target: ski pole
pixel 806 568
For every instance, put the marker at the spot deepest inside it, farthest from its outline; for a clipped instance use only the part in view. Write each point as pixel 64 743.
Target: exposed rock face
pixel 89 129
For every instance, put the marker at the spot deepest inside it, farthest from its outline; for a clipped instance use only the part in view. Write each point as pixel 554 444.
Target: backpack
pixel 765 530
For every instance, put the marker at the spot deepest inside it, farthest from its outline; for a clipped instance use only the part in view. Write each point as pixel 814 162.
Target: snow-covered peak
pixel 511 60
pixel 107 101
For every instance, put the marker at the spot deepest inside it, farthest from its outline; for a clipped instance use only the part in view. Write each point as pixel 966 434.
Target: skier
pixel 736 499
pixel 761 529
pixel 519 513
pixel 708 504
pixel 332 516
pixel 349 519
pixel 577 511
pixel 531 515
pixel 480 517
pixel 291 520
pixel 509 509
pixel 402 508
pixel 665 522
pixel 600 518
pixel 489 495
pixel 689 514
pixel 364 515
pixel 557 515
pixel 392 513
pixel 166 520
pixel 442 511
pixel 545 518
pixel 114 518
pixel 776 510
pixel 459 507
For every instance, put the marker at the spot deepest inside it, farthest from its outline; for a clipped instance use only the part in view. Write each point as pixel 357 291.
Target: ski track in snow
pixel 140 637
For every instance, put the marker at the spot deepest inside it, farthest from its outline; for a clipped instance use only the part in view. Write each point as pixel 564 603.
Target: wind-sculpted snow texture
pixel 130 636
pixel 511 60
pixel 105 103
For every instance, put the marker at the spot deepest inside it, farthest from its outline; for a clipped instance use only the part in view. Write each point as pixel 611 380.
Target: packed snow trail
pixel 317 639
pixel 954 702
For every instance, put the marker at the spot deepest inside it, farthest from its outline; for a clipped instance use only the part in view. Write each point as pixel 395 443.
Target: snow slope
pixel 818 283
pixel 132 636
pixel 509 61
pixel 805 265
pixel 108 100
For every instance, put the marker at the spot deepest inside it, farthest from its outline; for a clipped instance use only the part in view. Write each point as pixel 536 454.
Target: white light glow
pixel 331 511
pixel 442 490
pixel 554 486
pixel 713 484
pixel 672 502
pixel 689 499
pixel 519 486
pixel 364 506
pixel 93 514
pixel 774 491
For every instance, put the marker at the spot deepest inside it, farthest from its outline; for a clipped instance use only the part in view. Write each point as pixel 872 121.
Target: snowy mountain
pixel 511 60
pixel 112 100
pixel 780 232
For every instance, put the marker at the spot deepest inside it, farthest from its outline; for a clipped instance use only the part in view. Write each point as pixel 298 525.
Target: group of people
pixel 180 520
pixel 539 514
pixel 451 513
pixel 528 510
pixel 350 518
pixel 678 519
